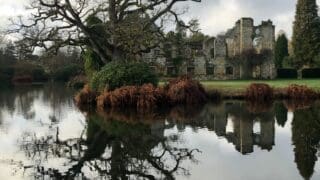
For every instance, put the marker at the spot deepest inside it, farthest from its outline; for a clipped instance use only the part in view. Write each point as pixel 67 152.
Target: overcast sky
pixel 215 15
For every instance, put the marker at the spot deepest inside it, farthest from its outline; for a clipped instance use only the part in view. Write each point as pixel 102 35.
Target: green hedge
pixel 115 75
pixel 287 73
pixel 65 73
pixel 6 74
pixel 39 75
pixel 311 73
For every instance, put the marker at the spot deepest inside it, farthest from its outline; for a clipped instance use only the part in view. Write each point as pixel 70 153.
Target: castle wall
pixel 217 60
pixel 200 66
pixel 246 32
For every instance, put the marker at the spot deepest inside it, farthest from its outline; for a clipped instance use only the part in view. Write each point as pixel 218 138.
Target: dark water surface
pixel 43 134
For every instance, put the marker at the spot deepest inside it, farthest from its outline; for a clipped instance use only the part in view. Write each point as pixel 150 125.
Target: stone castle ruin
pixel 243 52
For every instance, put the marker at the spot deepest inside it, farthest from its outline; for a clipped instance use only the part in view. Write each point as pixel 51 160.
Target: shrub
pixel 6 74
pixel 287 73
pixel 115 75
pixel 299 92
pixel 259 92
pixel 22 79
pixel 150 97
pixel 91 63
pixel 86 97
pixel 214 95
pixel 39 75
pixel 78 81
pixel 65 73
pixel 184 90
pixel 125 96
pixel 311 73
pixel 143 98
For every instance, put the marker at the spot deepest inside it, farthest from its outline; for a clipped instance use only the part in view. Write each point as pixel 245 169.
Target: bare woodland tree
pixel 111 28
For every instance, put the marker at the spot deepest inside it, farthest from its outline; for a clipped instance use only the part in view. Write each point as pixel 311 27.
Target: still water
pixel 44 135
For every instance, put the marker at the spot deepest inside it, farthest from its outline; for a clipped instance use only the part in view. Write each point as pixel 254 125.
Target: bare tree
pixel 120 26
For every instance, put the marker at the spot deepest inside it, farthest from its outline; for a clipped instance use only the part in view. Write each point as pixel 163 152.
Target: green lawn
pixel 240 85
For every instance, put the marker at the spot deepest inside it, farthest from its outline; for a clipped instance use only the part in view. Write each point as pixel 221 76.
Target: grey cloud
pixel 218 15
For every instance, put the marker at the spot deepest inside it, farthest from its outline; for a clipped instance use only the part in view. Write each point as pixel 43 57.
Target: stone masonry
pixel 218 58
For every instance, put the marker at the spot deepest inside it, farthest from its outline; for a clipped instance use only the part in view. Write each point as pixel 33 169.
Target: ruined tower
pixel 246 31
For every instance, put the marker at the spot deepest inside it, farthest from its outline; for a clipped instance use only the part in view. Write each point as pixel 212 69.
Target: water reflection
pixel 50 138
pixel 306 138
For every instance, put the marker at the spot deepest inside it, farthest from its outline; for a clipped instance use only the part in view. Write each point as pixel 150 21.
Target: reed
pixel 185 90
pixel 86 96
pixel 259 92
pixel 299 92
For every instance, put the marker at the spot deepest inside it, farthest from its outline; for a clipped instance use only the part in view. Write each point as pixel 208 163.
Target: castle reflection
pixel 217 117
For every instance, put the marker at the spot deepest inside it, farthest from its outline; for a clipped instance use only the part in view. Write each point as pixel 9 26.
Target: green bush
pixel 39 75
pixel 65 73
pixel 287 73
pixel 115 75
pixel 311 73
pixel 6 74
pixel 91 63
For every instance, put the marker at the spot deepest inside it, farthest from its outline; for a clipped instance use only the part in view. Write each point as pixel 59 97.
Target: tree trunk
pixel 300 73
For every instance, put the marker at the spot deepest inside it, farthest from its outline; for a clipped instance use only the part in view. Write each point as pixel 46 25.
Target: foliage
pixel 53 62
pixel 281 113
pixel 78 81
pixel 65 73
pixel 91 63
pixel 27 69
pixel 311 73
pixel 184 90
pixel 288 62
pixel 252 58
pixel 22 79
pixel 118 74
pixel 6 74
pixel 129 27
pixel 86 97
pixel 177 63
pixel 281 50
pixel 259 92
pixel 287 73
pixel 306 33
pixel 300 92
pixel 39 74
pixel 305 139
pixel 143 98
pixel 317 60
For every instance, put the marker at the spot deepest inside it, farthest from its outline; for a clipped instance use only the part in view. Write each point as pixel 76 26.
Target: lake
pixel 44 135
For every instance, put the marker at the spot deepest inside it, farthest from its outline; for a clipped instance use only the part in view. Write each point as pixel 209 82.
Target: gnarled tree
pixel 119 28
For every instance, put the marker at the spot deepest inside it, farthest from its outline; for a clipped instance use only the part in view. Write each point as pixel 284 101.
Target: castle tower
pixel 246 32
pixel 267 33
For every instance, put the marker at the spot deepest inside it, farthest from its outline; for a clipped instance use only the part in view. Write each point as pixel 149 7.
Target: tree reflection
pixel 21 99
pixel 125 144
pixel 112 149
pixel 306 137
pixel 281 113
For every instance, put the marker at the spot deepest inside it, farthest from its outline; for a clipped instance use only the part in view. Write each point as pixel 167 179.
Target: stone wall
pixel 220 54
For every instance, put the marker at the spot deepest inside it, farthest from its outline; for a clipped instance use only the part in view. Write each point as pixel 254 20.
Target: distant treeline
pixel 18 68
pixel 293 73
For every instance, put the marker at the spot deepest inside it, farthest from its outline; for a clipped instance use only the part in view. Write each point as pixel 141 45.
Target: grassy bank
pixel 241 85
pixel 236 87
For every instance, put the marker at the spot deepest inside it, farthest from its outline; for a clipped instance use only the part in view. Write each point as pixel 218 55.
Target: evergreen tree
pixel 281 50
pixel 306 33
